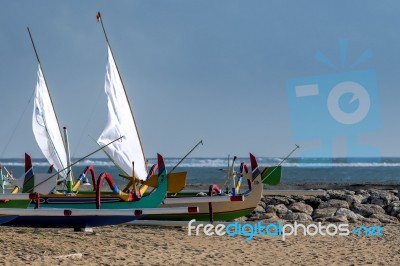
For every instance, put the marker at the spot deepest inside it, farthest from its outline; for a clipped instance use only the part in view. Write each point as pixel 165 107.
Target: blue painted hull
pixel 68 221
pixel 7 218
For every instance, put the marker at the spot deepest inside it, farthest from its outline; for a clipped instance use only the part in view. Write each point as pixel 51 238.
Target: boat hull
pixel 88 201
pixel 221 211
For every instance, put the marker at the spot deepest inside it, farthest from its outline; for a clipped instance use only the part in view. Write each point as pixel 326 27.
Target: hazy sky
pixel 211 70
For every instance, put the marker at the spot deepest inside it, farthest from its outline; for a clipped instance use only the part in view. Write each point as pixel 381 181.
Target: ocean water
pixel 295 170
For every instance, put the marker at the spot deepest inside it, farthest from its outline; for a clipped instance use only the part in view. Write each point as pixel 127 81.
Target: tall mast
pixel 98 16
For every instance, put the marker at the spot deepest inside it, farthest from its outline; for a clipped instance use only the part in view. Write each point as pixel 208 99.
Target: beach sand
pixel 146 245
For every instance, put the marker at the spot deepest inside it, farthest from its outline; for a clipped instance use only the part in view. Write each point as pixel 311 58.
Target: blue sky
pixel 211 70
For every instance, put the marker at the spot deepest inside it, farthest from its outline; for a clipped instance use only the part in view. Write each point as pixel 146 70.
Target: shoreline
pixel 313 186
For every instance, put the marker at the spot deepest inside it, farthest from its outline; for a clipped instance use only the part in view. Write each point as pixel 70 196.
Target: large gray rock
pixel 313 201
pixel 276 200
pixel 384 218
pixel 254 217
pixel 301 207
pixel 270 217
pixel 350 215
pixel 381 198
pixel 334 203
pixel 281 210
pixel 262 204
pixel 351 199
pixel 369 220
pixel 259 209
pixel 367 210
pixel 297 216
pixel 363 192
pixel 324 213
pixel 337 194
pixel 337 219
pixel 393 208
pixel 270 209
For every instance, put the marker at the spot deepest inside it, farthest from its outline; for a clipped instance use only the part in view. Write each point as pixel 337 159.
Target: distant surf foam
pixel 223 162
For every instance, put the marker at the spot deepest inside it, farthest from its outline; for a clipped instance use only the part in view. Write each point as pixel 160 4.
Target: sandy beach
pixel 136 245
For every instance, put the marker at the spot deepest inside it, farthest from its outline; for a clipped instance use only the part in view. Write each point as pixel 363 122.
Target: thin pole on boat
pixel 99 18
pixel 230 173
pixel 69 175
pixel 81 159
pixel 284 159
pixel 187 154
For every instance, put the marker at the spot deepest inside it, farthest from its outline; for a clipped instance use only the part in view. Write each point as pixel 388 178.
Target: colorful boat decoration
pixel 6 178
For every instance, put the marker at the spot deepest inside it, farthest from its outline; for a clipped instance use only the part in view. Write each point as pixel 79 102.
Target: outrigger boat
pixel 222 211
pixel 14 209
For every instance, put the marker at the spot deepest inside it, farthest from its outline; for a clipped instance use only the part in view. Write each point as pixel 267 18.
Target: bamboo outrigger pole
pixel 187 154
pixel 98 16
pixel 81 159
pixel 284 159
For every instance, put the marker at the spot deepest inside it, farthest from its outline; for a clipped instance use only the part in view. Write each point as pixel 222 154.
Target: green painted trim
pixel 224 216
pixel 23 204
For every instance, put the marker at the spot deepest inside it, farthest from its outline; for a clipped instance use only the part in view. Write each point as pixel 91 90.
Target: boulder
pixel 340 194
pixel 270 217
pixel 381 198
pixel 259 209
pixel 281 210
pixel 313 201
pixel 337 194
pixel 334 203
pixel 350 215
pixel 301 207
pixel 324 213
pixel 366 210
pixel 337 219
pixel 276 200
pixel 356 199
pixel 270 209
pixel 297 216
pixel 369 220
pixel 384 218
pixel 262 204
pixel 325 197
pixel 393 208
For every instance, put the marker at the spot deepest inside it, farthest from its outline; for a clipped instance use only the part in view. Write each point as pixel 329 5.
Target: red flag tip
pixel 98 16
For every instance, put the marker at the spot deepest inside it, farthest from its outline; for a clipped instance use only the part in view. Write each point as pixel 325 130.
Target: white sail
pixel 121 123
pixel 45 127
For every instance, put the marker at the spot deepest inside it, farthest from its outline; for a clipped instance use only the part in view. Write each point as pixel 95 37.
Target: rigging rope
pixel 18 123
pixel 87 124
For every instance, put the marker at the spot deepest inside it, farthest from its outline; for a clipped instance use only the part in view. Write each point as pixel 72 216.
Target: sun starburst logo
pixel 342 104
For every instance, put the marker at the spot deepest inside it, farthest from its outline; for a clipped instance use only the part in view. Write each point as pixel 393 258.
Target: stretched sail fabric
pixel 45 127
pixel 121 123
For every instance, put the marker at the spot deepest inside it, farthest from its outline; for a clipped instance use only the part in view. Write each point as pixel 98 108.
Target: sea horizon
pixel 207 170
